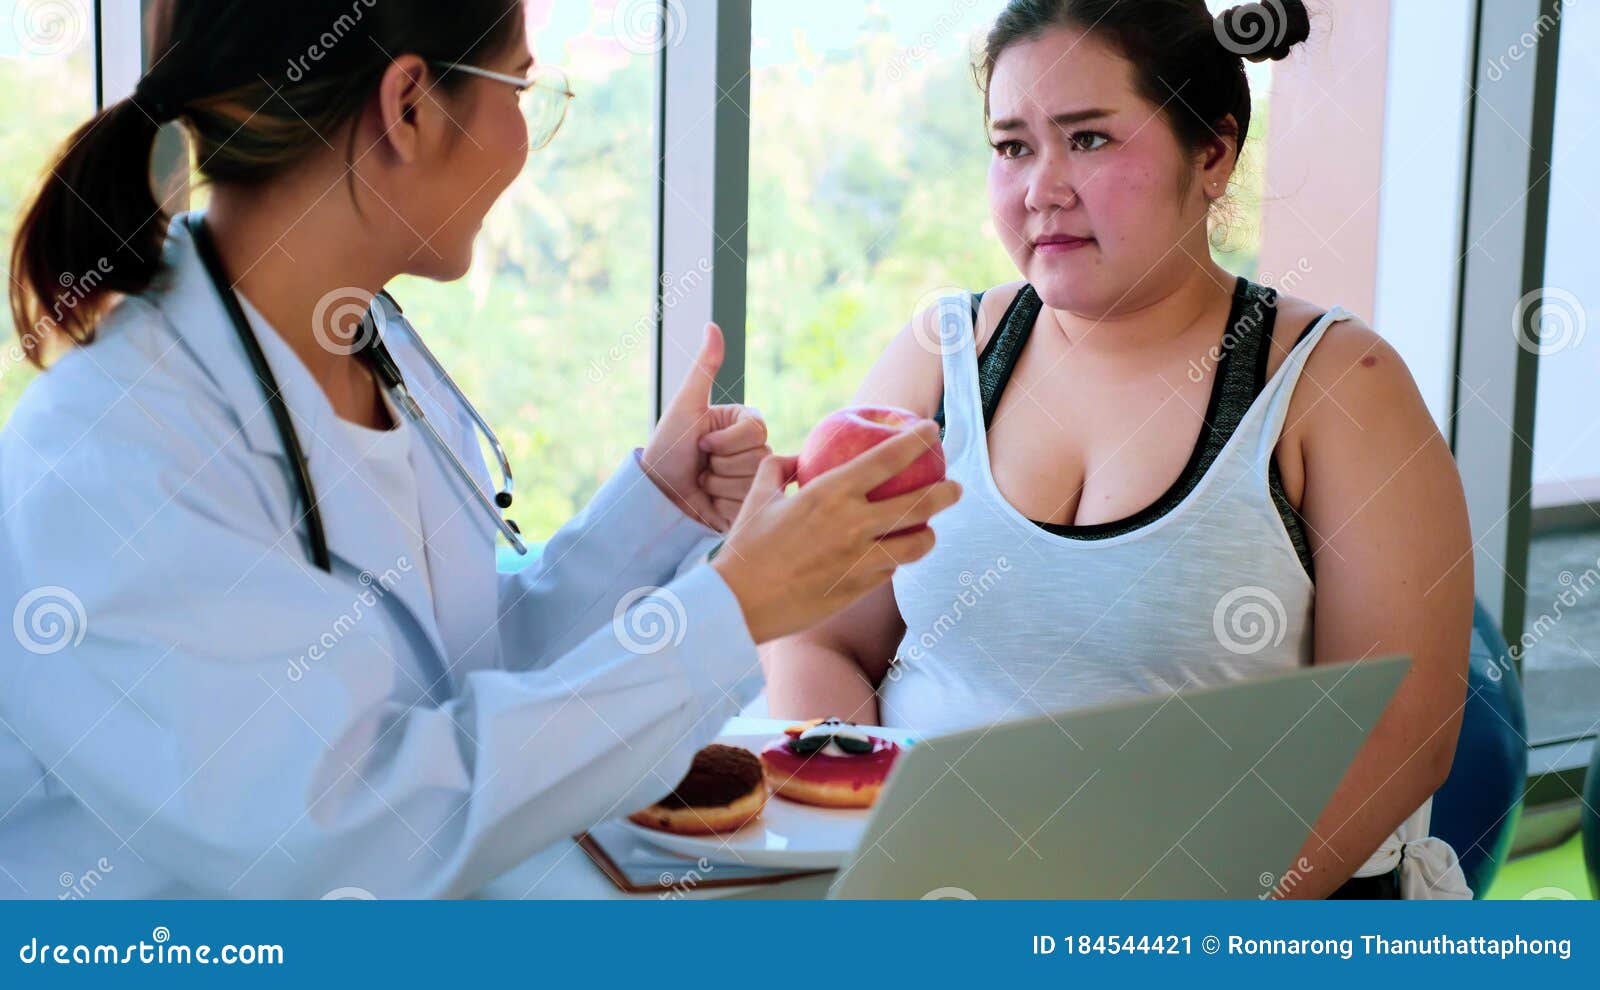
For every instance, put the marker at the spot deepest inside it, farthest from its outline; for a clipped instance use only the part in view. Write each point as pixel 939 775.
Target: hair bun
pixel 1264 31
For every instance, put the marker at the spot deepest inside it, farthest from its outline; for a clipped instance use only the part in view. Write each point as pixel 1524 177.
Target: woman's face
pixel 483 148
pixel 1091 193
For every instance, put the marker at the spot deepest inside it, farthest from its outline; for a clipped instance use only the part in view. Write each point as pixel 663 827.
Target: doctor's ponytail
pixel 93 230
pixel 257 87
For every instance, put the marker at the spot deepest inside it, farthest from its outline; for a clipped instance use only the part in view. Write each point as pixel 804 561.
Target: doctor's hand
pixel 704 457
pixel 793 560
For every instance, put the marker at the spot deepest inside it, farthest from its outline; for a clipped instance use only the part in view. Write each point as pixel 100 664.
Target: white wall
pixel 1424 163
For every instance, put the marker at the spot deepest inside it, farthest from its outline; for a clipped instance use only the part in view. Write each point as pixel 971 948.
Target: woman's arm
pixel 1387 522
pixel 834 668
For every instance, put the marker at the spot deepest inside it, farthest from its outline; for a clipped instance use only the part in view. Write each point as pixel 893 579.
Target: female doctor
pixel 261 649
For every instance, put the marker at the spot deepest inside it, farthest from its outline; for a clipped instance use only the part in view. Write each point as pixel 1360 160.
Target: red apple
pixel 848 433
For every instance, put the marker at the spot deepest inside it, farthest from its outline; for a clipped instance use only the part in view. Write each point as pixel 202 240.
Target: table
pixel 565 872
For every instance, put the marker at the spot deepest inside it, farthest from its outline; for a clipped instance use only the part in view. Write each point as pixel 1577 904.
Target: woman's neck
pixel 1164 316
pixel 301 261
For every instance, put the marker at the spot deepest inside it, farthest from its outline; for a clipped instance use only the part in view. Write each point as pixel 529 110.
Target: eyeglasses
pixel 545 97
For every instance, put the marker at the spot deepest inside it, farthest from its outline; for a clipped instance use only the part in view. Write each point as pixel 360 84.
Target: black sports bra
pixel 1241 374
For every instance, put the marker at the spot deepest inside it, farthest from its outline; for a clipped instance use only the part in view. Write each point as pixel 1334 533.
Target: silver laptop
pixel 1201 794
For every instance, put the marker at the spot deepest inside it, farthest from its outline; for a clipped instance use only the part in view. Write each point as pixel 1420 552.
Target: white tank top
pixel 1006 620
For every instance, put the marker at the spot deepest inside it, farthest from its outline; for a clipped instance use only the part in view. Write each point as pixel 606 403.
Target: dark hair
pixel 259 86
pixel 1175 46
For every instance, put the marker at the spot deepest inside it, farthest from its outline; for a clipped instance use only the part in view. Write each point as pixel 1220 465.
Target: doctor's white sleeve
pixel 629 540
pixel 173 725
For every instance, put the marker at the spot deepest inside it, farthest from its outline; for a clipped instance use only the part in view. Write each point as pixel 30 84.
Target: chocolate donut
pixel 723 790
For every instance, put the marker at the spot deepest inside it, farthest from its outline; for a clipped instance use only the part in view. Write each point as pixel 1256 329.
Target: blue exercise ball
pixel 1476 810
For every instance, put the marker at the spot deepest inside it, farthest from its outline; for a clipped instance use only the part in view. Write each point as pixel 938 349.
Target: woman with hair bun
pixel 1174 477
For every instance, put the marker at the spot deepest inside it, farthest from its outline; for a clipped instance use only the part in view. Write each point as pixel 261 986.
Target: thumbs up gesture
pixel 704 457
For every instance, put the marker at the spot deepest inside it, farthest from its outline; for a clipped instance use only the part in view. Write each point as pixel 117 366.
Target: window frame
pixel 1511 128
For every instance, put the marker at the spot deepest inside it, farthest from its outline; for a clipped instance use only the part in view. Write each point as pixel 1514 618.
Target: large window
pixel 551 333
pixel 1561 629
pixel 46 90
pixel 867 162
pixel 867 190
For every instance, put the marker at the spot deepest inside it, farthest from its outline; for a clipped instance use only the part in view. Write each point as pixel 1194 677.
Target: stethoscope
pixel 376 354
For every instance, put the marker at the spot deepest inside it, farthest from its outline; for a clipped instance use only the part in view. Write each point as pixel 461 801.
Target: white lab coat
pixel 189 707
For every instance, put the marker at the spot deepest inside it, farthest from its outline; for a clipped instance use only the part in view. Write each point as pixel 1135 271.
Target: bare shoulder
pixel 910 371
pixel 1354 381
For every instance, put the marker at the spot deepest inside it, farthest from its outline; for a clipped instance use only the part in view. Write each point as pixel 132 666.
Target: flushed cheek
pixel 1008 206
pixel 1121 204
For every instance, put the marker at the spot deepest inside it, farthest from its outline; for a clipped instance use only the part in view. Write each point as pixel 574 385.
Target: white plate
pixel 787 834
